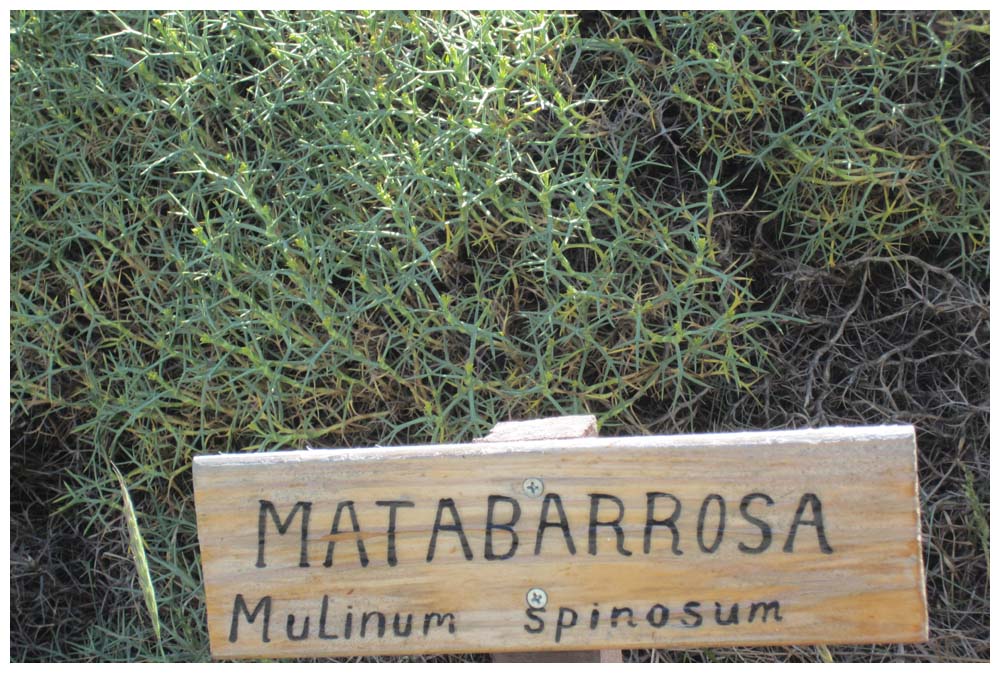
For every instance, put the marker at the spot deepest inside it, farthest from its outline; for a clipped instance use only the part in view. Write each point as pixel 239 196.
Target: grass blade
pixel 138 548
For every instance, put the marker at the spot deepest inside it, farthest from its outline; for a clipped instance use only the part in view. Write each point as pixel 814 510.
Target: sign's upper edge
pixel 756 438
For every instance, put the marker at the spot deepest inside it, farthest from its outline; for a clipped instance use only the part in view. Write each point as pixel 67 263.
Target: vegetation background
pixel 263 231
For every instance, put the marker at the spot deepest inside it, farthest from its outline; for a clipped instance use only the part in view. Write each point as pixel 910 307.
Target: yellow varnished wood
pixel 865 586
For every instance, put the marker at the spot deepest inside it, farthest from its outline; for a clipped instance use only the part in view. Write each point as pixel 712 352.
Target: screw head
pixel 537 598
pixel 533 486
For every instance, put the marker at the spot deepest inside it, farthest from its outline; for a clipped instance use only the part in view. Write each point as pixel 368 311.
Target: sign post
pixel 562 427
pixel 756 538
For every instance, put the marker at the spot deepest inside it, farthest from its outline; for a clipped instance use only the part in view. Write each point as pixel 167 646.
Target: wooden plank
pixel 819 543
pixel 562 427
pixel 560 657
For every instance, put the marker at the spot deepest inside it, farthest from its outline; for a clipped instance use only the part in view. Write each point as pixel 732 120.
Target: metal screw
pixel 537 598
pixel 533 486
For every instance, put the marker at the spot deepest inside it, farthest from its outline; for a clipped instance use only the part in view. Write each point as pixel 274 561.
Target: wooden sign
pixel 761 538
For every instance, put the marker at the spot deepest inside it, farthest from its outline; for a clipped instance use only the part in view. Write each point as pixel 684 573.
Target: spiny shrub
pixel 858 134
pixel 261 231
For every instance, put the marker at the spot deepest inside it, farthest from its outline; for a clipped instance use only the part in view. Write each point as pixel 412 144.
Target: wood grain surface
pixel 559 427
pixel 762 538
